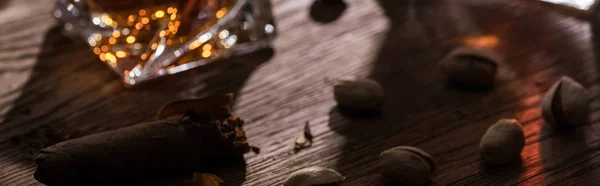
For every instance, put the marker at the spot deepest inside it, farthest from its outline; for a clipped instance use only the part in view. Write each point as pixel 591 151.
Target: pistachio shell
pixel 360 94
pixel 502 142
pixel 407 165
pixel 471 67
pixel 565 103
pixel 422 154
pixel 313 176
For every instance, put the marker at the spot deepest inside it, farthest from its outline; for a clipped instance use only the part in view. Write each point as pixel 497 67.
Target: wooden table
pixel 48 79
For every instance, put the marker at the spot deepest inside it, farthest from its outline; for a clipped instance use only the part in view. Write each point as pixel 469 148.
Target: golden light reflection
pixel 159 14
pixel 139 26
pixel 130 39
pixel 528 115
pixel 131 18
pixel 111 58
pixel 145 20
pixel 173 28
pixel 221 13
pixel 121 54
pixel 207 47
pixel 223 34
pixel 230 42
pixel 481 41
pixel 194 45
pixel 533 163
pixel 206 54
pixel 97 50
pixel 102 56
pixel 533 100
pixel 107 20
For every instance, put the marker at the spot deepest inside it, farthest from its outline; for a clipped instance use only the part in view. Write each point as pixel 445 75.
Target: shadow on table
pixel 3 4
pixel 71 91
pixel 403 66
pixel 327 11
pixel 594 23
pixel 502 173
pixel 420 34
pixel 579 139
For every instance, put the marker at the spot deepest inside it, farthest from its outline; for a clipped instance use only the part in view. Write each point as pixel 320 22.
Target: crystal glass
pixel 145 39
pixel 576 8
pixel 578 4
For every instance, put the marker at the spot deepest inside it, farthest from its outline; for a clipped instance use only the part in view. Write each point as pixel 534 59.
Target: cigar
pixel 180 143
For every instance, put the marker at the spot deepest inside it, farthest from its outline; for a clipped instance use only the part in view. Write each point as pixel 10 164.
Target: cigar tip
pixel 39 157
pixel 40 174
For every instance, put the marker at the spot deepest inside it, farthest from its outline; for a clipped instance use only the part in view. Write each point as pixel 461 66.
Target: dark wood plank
pixel 48 79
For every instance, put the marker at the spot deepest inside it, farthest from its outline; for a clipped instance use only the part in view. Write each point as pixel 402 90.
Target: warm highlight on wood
pixel 48 79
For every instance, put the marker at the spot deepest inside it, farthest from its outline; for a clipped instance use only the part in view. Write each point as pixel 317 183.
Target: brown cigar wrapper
pixel 143 150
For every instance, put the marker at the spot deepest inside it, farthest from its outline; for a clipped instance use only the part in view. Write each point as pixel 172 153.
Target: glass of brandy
pixel 145 39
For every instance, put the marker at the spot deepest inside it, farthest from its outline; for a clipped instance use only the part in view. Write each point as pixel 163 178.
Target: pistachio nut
pixel 358 94
pixel 470 67
pixel 407 165
pixel 565 103
pixel 502 142
pixel 313 176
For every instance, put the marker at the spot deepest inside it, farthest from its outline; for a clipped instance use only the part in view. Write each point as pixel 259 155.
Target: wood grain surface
pixel 48 79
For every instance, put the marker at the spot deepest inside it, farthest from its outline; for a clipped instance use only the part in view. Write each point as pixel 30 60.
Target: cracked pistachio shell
pixel 358 94
pixel 471 67
pixel 565 103
pixel 313 176
pixel 407 165
pixel 502 142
